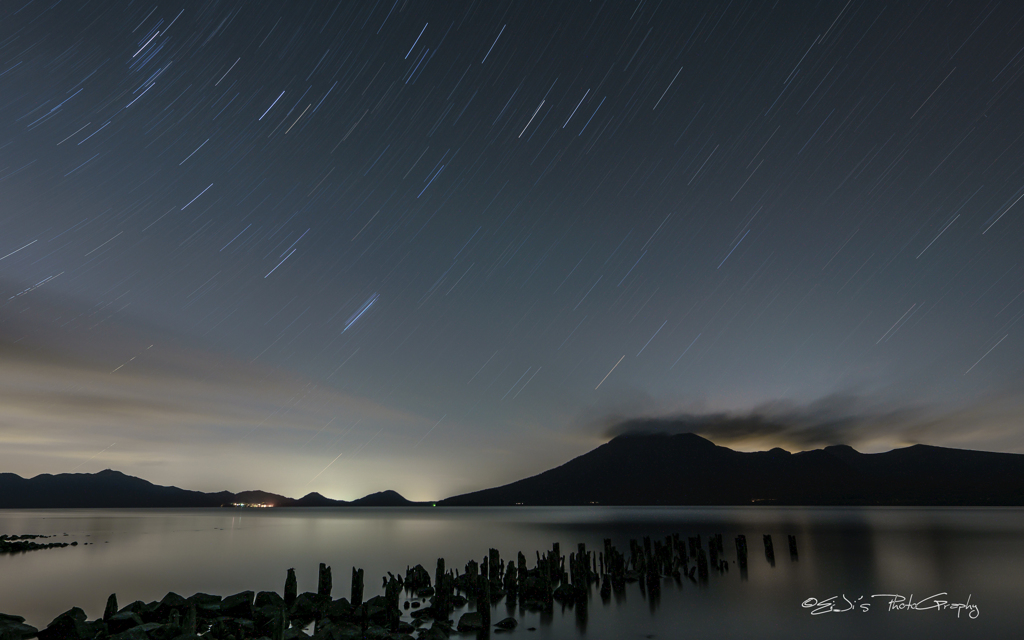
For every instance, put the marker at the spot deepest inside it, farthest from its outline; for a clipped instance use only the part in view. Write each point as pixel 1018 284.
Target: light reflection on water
pixel 143 554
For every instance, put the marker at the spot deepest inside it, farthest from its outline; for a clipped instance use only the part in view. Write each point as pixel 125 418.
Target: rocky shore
pixel 17 544
pixel 429 601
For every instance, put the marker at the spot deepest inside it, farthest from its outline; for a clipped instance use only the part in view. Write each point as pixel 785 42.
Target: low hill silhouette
pixel 113 489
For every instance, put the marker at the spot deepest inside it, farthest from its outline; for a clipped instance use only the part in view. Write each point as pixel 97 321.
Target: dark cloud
pixel 845 419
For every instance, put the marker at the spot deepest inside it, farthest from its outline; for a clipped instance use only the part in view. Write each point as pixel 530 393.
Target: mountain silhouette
pixel 113 489
pixel 632 469
pixel 686 469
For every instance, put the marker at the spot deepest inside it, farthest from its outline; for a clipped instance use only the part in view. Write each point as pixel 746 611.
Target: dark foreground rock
pixel 14 628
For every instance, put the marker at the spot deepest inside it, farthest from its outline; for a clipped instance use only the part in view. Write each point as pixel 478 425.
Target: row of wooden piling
pixel 553 577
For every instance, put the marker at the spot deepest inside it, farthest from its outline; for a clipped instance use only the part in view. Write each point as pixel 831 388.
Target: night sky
pixel 437 246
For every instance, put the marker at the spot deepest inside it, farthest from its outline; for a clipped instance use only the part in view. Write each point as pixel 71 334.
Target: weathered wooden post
pixel 521 577
pixel 792 548
pixel 473 580
pixel 510 583
pixel 438 572
pixel 323 587
pixel 584 559
pixel 484 603
pixel 713 552
pixel 357 587
pixel 496 564
pixel 702 564
pixel 291 589
pixel 392 594
pixel 769 550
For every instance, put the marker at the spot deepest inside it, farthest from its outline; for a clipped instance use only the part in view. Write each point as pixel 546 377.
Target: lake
pixel 973 555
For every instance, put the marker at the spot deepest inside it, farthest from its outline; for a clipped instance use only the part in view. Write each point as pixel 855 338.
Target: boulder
pixel 434 633
pixel 238 605
pixel 15 627
pixel 207 606
pixel 68 626
pixel 142 632
pixel 150 612
pixel 122 621
pixel 295 633
pixel 508 624
pixel 305 607
pixel 171 602
pixel 265 598
pixel 339 609
pixel 135 633
pixel 167 631
pixel 265 618
pixel 472 621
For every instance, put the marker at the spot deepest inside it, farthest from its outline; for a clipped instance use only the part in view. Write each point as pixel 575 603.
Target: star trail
pixel 432 247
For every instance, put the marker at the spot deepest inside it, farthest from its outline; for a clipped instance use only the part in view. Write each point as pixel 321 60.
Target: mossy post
pixel 323 588
pixel 357 587
pixel 509 583
pixel 438 573
pixel 392 594
pixel 484 603
pixel 291 588
pixel 521 578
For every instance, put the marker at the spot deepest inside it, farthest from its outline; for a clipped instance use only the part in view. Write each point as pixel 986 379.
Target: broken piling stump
pixel 323 587
pixel 357 587
pixel 769 550
pixel 291 588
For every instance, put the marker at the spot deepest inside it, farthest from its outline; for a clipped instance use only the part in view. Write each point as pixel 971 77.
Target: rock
pixel 264 619
pixel 507 624
pixel 338 609
pixel 67 626
pixel 135 633
pixel 434 633
pixel 167 631
pixel 304 609
pixel 472 621
pixel 171 602
pixel 14 628
pixel 270 598
pixel 238 605
pixel 295 633
pixel 122 621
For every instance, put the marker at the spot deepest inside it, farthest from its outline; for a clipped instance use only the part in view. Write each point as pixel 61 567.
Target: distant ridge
pixel 633 469
pixel 113 489
pixel 686 469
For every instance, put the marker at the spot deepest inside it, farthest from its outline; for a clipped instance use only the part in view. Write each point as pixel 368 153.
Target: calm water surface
pixel 141 554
